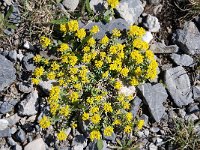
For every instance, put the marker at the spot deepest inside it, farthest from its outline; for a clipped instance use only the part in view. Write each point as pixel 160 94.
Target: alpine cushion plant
pixel 88 76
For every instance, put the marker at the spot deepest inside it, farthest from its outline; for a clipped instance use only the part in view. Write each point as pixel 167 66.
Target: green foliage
pixel 4 21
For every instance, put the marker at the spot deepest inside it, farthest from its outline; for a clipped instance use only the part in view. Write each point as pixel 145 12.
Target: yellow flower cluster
pixel 88 75
pixel 44 41
pixel 113 3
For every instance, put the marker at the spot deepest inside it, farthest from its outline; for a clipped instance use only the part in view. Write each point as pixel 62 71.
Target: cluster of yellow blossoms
pixel 89 74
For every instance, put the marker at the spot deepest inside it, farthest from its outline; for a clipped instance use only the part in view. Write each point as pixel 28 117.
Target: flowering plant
pixel 90 75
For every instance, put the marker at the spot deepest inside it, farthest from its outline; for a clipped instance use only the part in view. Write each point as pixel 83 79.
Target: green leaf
pixel 11 26
pixel 100 144
pixel 10 10
pixel 59 21
pixel 87 5
pixel 119 142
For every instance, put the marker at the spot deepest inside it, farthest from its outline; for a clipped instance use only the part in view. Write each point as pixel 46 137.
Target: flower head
pixel 108 131
pixel 95 135
pixel 44 122
pixel 62 135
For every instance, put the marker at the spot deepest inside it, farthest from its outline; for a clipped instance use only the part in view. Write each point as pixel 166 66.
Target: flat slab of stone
pixel 160 48
pixel 178 85
pixel 154 96
pixel 37 144
pixel 7 73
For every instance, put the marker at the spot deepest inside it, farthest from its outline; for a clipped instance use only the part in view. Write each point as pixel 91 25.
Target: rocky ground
pixel 174 95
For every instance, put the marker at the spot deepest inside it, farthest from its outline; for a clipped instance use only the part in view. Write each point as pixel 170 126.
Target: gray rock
pixel 27 45
pixel 160 48
pixel 5 133
pixel 70 4
pixel 17 147
pixel 191 117
pixel 98 5
pixel 46 85
pixel 154 97
pixel 12 55
pixel 25 87
pixel 28 105
pixel 147 37
pixel 151 23
pixel 153 147
pixel 7 73
pixel 36 144
pixel 6 107
pixel 20 136
pixel 146 132
pixel 178 85
pixel 15 16
pixel 11 142
pixel 13 119
pixel 28 62
pixel 79 140
pixel 196 92
pixel 8 2
pixel 102 29
pixel 154 2
pixel 193 108
pixel 77 147
pixel 120 24
pixel 20 56
pixel 3 124
pixel 135 106
pixel 154 129
pixel 182 113
pixel 130 10
pixel 165 67
pixel 188 38
pixel 9 31
pixel 182 60
pixel 110 138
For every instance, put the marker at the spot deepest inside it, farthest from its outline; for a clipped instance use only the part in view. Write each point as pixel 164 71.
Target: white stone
pixel 71 5
pixel 37 144
pixel 130 10
pixel 3 124
pixel 147 37
pixel 152 23
pixel 127 91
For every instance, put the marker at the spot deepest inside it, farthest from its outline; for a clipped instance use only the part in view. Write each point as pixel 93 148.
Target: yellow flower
pixel 149 54
pixel 138 71
pixel 35 81
pixel 113 49
pixel 37 58
pixel 126 105
pixel 140 124
pixel 85 116
pixel 117 122
pixel 86 58
pixel 94 29
pixel 60 74
pixel 138 43
pixel 54 106
pixel 55 66
pixel 108 131
pixel 73 25
pixel 44 122
pixel 63 28
pixel 113 3
pixel 62 135
pixel 137 56
pixel 129 116
pixel 74 96
pixel 63 47
pixel 81 33
pixel 107 107
pixel 105 74
pixel 73 70
pixel 38 71
pixel 136 31
pixel 103 55
pixel 86 49
pixel 116 32
pixel 104 40
pixel 118 85
pixel 64 111
pixel 78 86
pixel 94 110
pixel 51 75
pixel 124 72
pixel 73 60
pixel 127 129
pixel 74 125
pixel 134 82
pixel 95 135
pixel 95 118
pixel 44 41
pixel 91 42
pixel 98 64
